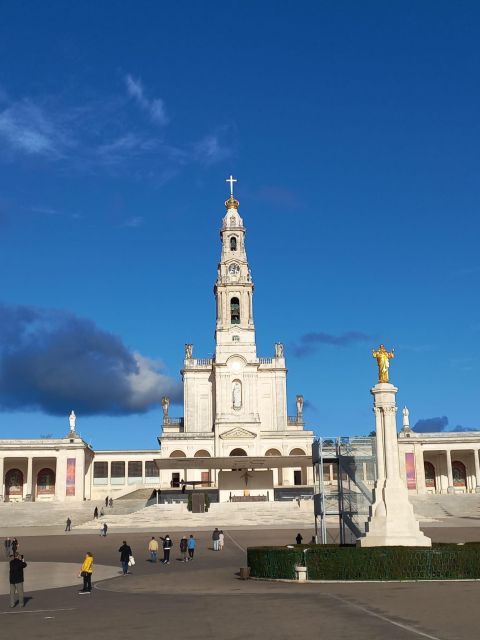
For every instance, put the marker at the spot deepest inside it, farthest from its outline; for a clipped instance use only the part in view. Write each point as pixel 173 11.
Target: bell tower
pixel 235 330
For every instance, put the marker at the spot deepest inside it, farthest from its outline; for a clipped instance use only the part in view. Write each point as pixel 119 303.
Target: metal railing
pixel 173 421
pixel 201 362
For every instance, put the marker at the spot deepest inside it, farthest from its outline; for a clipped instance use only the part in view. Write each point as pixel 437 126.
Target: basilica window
pixel 235 338
pixel 235 311
pixel 233 243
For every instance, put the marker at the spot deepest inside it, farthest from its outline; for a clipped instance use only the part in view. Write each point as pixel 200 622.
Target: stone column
pixel 391 519
pixel 477 470
pixel 29 491
pixel 450 488
pixel 419 469
pixel 2 479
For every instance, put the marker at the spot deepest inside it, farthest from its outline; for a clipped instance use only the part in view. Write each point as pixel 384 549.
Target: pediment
pixel 238 434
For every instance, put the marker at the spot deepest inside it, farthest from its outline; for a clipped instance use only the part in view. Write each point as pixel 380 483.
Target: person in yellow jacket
pixel 86 573
pixel 153 549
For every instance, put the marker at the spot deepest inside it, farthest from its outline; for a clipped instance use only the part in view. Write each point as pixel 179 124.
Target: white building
pixel 235 434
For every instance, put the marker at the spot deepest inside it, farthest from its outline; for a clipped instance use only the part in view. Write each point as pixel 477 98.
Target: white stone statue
pixel 278 350
pixel 237 394
pixel 188 351
pixel 72 418
pixel 299 405
pixel 406 419
pixel 165 405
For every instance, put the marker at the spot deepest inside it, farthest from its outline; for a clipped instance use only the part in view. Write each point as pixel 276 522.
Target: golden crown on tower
pixel 232 203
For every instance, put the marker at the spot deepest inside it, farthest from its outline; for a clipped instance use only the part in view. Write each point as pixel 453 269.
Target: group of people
pixel 218 539
pixel 187 548
pixel 11 546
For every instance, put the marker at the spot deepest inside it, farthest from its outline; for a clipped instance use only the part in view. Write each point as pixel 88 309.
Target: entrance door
pixel 297 477
pixel 14 485
pixel 459 473
pixel 175 480
pixel 430 482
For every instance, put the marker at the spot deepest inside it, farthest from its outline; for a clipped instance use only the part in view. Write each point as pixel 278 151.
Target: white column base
pixel 392 522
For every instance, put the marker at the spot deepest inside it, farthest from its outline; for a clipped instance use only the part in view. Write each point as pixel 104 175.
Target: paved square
pixel 205 599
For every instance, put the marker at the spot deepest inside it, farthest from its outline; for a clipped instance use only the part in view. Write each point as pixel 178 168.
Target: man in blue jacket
pixel 191 544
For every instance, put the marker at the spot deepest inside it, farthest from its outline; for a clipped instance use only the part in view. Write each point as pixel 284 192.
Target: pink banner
pixel 410 470
pixel 70 490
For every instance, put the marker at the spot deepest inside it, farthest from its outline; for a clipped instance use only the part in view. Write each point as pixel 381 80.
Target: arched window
pixel 459 474
pixel 429 475
pixel 233 243
pixel 235 338
pixel 235 311
pixel 177 454
pixel 238 452
pixel 46 482
pixel 273 452
pixel 13 483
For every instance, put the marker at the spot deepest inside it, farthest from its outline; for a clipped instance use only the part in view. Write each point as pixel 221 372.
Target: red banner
pixel 410 471
pixel 70 490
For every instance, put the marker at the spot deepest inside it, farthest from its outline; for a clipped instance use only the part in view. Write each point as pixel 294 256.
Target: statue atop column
pixel 165 405
pixel 382 357
pixel 72 418
pixel 188 351
pixel 278 350
pixel 299 400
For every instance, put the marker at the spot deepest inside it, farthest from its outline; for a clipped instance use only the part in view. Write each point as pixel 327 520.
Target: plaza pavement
pixel 205 599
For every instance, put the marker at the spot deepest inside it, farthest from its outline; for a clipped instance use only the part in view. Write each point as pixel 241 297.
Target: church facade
pixel 235 436
pixel 235 403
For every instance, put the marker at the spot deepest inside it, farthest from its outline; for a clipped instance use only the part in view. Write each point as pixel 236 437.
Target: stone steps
pixel 43 514
pixel 441 507
pixel 273 514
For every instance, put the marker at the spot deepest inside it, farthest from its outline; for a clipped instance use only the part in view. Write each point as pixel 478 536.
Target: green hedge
pixel 331 562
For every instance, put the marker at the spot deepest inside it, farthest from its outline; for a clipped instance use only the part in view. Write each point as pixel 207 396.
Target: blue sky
pixel 354 133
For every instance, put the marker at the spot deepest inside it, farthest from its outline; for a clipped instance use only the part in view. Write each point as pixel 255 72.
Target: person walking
pixel 17 565
pixel 106 501
pixel 125 553
pixel 68 525
pixel 14 546
pixel 8 547
pixel 221 540
pixel 104 529
pixel 191 544
pixel 86 573
pixel 167 545
pixel 110 502
pixel 184 548
pixel 95 513
pixel 153 549
pixel 299 538
pixel 216 538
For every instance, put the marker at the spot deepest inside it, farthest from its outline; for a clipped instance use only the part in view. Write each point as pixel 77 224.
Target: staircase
pixel 46 514
pixel 275 515
pixel 443 507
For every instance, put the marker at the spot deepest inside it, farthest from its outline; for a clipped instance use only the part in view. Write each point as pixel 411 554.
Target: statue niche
pixel 237 394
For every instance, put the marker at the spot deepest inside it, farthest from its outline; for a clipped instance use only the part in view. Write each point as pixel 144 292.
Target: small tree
pixel 207 502
pixel 189 502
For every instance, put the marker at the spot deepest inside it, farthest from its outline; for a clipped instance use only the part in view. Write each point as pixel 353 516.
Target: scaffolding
pixel 345 473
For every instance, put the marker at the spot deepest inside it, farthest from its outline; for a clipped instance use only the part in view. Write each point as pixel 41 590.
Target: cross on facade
pixel 231 180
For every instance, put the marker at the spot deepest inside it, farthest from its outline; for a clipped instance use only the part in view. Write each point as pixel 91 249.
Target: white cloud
pixel 155 108
pixel 134 222
pixel 26 128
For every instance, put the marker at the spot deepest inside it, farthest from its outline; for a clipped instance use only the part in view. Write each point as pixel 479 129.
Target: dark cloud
pixel 54 362
pixel 431 425
pixel 310 342
pixel 435 425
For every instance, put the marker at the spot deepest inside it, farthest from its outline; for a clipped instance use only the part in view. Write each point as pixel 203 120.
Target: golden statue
pixel 383 356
